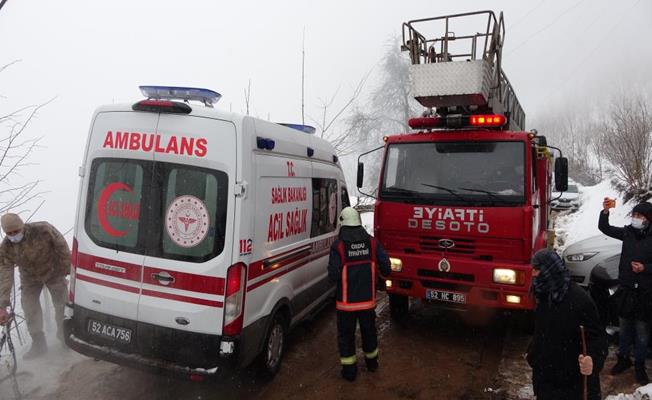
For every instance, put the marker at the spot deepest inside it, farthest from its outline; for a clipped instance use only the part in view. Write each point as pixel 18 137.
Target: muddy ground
pixel 437 357
pixel 436 354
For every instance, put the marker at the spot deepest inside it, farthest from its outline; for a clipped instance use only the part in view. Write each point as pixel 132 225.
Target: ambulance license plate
pixel 450 297
pixel 108 331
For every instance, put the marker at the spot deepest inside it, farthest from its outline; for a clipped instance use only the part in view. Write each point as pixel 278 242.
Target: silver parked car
pixel 593 263
pixel 568 200
pixel 597 251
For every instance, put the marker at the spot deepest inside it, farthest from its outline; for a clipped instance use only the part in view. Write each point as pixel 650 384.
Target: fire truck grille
pixel 433 244
pixel 445 286
pixel 453 276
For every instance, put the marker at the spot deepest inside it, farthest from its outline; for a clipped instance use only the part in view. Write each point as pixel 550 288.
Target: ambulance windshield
pixel 463 173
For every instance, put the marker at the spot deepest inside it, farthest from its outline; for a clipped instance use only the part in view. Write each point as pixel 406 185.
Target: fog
pixel 83 54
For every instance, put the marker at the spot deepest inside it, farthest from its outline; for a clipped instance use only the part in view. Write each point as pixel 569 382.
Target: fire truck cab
pixel 463 200
pixel 201 236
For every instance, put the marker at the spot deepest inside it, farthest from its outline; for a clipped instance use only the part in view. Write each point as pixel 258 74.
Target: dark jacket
pixel 556 345
pixel 356 289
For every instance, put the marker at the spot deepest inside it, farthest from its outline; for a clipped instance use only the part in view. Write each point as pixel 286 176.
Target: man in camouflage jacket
pixel 42 256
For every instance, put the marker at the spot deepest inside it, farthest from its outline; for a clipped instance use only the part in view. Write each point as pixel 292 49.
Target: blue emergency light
pixel 303 128
pixel 206 96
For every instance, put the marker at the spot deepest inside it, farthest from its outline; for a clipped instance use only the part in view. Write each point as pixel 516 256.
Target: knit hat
pixel 11 222
pixel 644 208
pixel 554 278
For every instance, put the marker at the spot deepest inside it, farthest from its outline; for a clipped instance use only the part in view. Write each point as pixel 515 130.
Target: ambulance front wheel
pixel 399 306
pixel 274 347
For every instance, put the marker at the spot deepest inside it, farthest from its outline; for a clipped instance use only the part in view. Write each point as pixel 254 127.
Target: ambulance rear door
pixel 190 237
pixel 111 234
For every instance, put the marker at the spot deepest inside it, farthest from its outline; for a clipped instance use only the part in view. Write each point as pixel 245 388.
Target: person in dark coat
pixel 555 353
pixel 355 259
pixel 634 297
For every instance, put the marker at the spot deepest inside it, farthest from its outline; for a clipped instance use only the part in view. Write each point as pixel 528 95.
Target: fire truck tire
pixel 269 360
pixel 399 306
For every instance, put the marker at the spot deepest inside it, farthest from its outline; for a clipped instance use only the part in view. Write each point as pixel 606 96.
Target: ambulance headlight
pixel 504 275
pixel 396 264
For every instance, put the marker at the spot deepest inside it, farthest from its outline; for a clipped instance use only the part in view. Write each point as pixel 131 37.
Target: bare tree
pixel 247 96
pixel 15 152
pixel 627 137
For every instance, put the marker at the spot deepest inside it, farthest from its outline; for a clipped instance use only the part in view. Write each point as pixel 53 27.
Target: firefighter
pixel 42 256
pixel 353 263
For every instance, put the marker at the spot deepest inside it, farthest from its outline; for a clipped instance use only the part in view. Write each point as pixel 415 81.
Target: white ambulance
pixel 201 236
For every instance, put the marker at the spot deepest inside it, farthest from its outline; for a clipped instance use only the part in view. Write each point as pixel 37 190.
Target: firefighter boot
pixel 39 347
pixel 349 372
pixel 622 364
pixel 641 375
pixel 372 364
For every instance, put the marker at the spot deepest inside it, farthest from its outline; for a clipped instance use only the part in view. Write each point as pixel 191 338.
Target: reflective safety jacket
pixel 354 263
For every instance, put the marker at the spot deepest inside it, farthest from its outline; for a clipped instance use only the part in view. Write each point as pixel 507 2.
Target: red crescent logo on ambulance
pixel 102 205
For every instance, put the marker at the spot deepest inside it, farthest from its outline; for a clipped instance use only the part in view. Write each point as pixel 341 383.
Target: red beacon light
pixel 492 120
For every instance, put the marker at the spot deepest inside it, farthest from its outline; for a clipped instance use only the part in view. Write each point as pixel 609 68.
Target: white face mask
pixel 16 238
pixel 639 223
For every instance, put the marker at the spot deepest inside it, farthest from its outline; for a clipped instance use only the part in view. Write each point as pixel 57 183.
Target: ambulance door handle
pixel 163 278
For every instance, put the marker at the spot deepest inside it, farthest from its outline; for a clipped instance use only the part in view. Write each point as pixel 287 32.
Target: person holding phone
pixel 634 296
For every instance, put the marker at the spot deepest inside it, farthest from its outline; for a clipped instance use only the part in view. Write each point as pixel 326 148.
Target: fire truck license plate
pixel 109 331
pixel 450 297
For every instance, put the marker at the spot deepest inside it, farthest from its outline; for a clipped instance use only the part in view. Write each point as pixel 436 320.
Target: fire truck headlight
pixel 396 264
pixel 503 275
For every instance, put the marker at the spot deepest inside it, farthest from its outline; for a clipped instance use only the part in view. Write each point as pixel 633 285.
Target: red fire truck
pixel 463 200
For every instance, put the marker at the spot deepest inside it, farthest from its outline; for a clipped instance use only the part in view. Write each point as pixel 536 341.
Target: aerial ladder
pixel 461 74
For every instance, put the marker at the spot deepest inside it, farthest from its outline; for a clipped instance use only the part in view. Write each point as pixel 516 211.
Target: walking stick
pixel 585 387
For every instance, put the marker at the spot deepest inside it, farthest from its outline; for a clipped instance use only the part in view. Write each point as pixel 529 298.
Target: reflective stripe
pixel 363 305
pixel 347 360
pixel 373 354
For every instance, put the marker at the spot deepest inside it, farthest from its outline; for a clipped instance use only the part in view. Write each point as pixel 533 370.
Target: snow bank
pixel 642 393
pixel 573 227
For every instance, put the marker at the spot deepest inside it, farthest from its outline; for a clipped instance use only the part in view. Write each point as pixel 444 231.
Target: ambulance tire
pixel 269 360
pixel 399 307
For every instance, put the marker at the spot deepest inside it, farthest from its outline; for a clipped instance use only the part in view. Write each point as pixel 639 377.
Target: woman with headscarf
pixel 555 353
pixel 634 298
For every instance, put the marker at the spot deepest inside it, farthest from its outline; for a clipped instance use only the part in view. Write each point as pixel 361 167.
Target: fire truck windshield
pixel 464 173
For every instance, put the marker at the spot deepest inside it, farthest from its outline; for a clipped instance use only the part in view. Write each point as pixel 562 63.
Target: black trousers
pixel 346 324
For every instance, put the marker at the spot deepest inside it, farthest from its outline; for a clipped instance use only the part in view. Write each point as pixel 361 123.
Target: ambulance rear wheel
pixel 274 347
pixel 399 306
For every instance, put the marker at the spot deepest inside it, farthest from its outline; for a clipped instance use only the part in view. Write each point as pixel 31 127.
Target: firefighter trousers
pixel 346 324
pixel 30 300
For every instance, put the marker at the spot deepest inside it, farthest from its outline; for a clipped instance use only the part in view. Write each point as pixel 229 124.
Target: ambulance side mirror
pixel 561 174
pixel 360 175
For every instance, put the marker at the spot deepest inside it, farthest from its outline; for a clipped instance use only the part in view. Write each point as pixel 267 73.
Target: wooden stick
pixel 585 385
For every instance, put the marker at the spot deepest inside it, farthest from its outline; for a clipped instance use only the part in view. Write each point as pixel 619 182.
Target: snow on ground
pixel 573 227
pixel 642 393
pixel 39 377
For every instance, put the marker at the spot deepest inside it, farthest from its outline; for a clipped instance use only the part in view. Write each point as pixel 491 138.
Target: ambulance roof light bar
pixel 303 128
pixel 206 96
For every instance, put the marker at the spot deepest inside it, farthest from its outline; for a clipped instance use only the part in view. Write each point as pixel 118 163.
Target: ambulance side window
pixel 324 206
pixel 113 206
pixel 193 212
pixel 345 198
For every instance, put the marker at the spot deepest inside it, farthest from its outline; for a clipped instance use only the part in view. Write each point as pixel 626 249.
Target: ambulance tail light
pixel 74 258
pixel 493 120
pixel 162 106
pixel 234 299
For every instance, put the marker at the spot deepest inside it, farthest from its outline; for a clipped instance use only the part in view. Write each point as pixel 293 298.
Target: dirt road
pixel 438 357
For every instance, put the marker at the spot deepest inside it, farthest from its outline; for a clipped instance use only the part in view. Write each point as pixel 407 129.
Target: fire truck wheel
pixel 399 306
pixel 269 361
